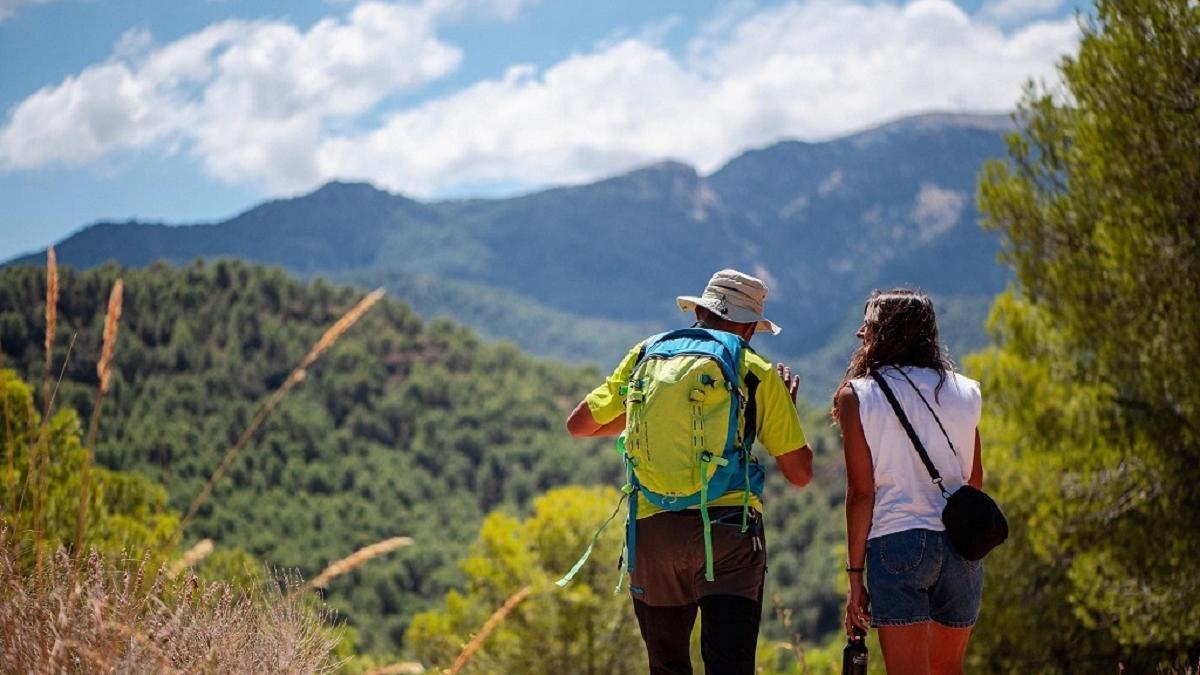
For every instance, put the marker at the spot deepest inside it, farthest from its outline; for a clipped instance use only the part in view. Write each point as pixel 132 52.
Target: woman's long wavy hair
pixel 901 330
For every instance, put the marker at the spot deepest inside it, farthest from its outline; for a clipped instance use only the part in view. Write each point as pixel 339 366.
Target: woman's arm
pixel 860 503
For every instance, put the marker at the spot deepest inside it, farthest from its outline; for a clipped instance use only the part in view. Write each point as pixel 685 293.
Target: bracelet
pixel 855 569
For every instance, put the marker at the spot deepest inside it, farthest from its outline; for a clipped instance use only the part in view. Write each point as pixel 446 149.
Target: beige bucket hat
pixel 733 296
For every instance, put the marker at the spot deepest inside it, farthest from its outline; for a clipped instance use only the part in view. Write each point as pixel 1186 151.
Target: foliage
pixel 583 628
pixel 127 512
pixel 121 617
pixel 1094 392
pixel 403 428
pixel 791 657
pixel 806 540
pixel 803 537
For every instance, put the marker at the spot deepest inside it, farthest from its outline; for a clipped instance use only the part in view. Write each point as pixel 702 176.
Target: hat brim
pixel 735 314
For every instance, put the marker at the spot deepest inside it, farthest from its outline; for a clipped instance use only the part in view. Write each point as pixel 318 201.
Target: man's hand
pixel 790 382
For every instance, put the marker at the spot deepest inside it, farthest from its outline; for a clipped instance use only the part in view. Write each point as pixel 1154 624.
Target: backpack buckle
pixel 696 396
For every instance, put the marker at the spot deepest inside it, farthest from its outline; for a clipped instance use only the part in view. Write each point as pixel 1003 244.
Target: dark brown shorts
pixel 668 566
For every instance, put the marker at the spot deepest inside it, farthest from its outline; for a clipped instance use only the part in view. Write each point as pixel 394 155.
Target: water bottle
pixel 854 655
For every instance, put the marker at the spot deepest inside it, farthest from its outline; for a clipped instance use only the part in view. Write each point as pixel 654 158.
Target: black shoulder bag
pixel 973 520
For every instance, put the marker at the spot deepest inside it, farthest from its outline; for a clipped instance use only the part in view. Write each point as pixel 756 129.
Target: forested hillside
pixel 404 428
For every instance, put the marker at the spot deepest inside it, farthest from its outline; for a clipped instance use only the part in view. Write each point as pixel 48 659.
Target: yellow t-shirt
pixel 778 425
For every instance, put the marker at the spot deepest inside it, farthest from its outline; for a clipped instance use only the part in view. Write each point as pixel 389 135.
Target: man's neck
pixel 730 328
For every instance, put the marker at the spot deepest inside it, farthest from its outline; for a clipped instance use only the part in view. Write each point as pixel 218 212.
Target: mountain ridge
pixel 991 121
pixel 823 222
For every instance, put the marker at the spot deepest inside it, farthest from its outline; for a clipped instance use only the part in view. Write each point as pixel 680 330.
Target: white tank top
pixel 905 496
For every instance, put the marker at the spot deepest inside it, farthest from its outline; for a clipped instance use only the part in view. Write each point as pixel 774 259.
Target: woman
pixel 924 597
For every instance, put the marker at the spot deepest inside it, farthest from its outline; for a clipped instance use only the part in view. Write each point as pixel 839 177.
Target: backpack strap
pixel 566 579
pixel 750 412
pixel 750 422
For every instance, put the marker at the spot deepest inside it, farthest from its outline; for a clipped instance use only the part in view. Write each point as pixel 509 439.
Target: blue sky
pixel 194 110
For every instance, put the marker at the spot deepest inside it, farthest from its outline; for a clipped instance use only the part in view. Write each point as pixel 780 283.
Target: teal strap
pixel 595 537
pixel 620 573
pixel 705 458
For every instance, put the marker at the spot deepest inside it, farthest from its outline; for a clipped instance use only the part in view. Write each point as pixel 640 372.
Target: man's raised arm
pixel 581 423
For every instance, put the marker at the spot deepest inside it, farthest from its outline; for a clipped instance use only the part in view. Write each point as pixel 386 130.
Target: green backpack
pixel 683 444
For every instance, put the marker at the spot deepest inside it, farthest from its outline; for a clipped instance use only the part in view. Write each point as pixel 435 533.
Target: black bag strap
pixel 930 409
pixel 912 434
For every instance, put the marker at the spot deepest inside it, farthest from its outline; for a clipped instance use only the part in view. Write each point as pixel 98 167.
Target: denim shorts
pixel 916 576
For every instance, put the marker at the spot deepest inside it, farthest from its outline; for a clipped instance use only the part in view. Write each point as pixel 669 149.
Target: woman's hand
pixel 790 381
pixel 857 602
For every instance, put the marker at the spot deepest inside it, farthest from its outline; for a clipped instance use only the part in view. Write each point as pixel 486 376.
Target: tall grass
pixel 328 338
pixel 10 447
pixel 51 322
pixel 79 613
pixel 784 615
pixel 124 618
pixel 489 626
pixel 357 559
pixel 192 556
pixel 104 374
pixel 39 459
pixel 399 668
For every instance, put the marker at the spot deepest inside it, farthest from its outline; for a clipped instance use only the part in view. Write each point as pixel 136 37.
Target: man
pixel 668 582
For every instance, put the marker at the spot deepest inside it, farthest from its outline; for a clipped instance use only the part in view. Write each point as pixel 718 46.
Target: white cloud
pixel 8 7
pixel 268 104
pixel 249 98
pixel 1018 10
pixel 505 9
pixel 809 70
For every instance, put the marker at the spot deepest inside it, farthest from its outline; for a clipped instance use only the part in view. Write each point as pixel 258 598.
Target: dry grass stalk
pixel 341 326
pixel 39 448
pixel 490 625
pixel 401 668
pixel 357 559
pixel 9 446
pixel 784 615
pixel 104 373
pixel 51 322
pixel 193 555
pixel 104 366
pixel 330 336
pixel 40 460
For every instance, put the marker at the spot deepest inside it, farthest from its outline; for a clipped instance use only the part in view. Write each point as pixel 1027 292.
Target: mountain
pixel 579 272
